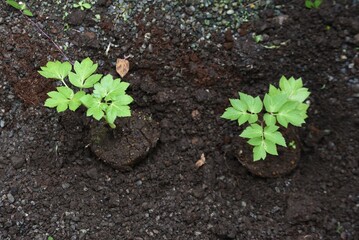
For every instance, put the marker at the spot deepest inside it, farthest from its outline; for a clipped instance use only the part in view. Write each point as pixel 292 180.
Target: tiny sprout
pixel 83 5
pixel 292 144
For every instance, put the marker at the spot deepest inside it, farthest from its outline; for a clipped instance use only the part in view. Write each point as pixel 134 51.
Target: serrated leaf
pixel 96 109
pixel 275 137
pixel 259 152
pixel 252 131
pixel 75 102
pixel 255 105
pixel 290 114
pixel 117 89
pixel 252 118
pixel 239 105
pixel 123 100
pixel 56 70
pixel 59 99
pixel 83 70
pixel 243 119
pixel 269 119
pixel 90 81
pixel 270 147
pixel 273 90
pixel 293 89
pixel 274 103
pixel 88 100
pixel 255 141
pixel 231 114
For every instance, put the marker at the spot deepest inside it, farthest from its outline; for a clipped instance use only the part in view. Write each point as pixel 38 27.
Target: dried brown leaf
pixel 122 66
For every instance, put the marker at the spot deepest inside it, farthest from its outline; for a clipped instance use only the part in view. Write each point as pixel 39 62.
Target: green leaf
pixel 239 105
pixel 103 88
pixel 90 81
pixel 83 70
pixel 75 100
pixel 96 109
pixel 88 100
pixel 274 136
pixel 253 118
pixel 259 152
pixel 27 12
pixel 270 147
pixel 294 89
pixel 290 114
pixel 56 70
pixel 231 114
pixel 255 105
pixel 308 4
pixel 14 4
pixel 59 99
pixel 252 131
pixel 117 89
pixel 87 5
pixel 273 103
pixel 273 90
pixel 269 119
pixel 243 118
pixel 255 141
pixel 116 109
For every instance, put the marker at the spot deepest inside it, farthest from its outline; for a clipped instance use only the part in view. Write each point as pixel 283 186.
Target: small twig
pixel 48 37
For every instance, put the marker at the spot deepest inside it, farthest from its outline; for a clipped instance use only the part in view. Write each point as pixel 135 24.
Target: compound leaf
pixel 269 119
pixel 255 105
pixel 252 118
pixel 259 152
pixel 83 70
pixel 255 141
pixel 274 103
pixel 59 99
pixel 239 105
pixel 90 81
pixel 231 114
pixel 270 147
pixel 75 102
pixel 274 136
pixel 56 70
pixel 252 131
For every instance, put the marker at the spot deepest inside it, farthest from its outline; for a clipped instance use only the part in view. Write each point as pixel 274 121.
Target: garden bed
pixel 51 184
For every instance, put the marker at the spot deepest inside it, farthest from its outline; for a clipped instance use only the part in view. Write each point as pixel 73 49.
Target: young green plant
pixel 313 3
pixel 282 106
pixel 83 5
pixel 20 6
pixel 104 97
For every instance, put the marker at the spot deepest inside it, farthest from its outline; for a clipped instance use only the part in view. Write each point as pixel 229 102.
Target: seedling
pixel 257 38
pixel 20 6
pixel 103 96
pixel 313 3
pixel 83 5
pixel 292 144
pixel 282 106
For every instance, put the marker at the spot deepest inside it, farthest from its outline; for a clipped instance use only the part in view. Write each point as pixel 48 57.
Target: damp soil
pixel 52 184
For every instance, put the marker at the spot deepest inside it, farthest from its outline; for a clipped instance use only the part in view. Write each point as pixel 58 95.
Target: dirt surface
pixel 51 184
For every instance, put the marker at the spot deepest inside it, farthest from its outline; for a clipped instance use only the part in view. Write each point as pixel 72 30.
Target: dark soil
pixel 51 184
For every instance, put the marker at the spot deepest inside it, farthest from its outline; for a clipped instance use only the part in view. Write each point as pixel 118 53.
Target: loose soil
pixel 51 184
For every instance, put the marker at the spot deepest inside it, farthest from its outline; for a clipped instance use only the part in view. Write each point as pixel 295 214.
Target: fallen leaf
pixel 122 66
pixel 201 161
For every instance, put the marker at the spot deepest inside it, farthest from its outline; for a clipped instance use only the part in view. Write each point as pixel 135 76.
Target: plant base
pixel 126 145
pixel 272 166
